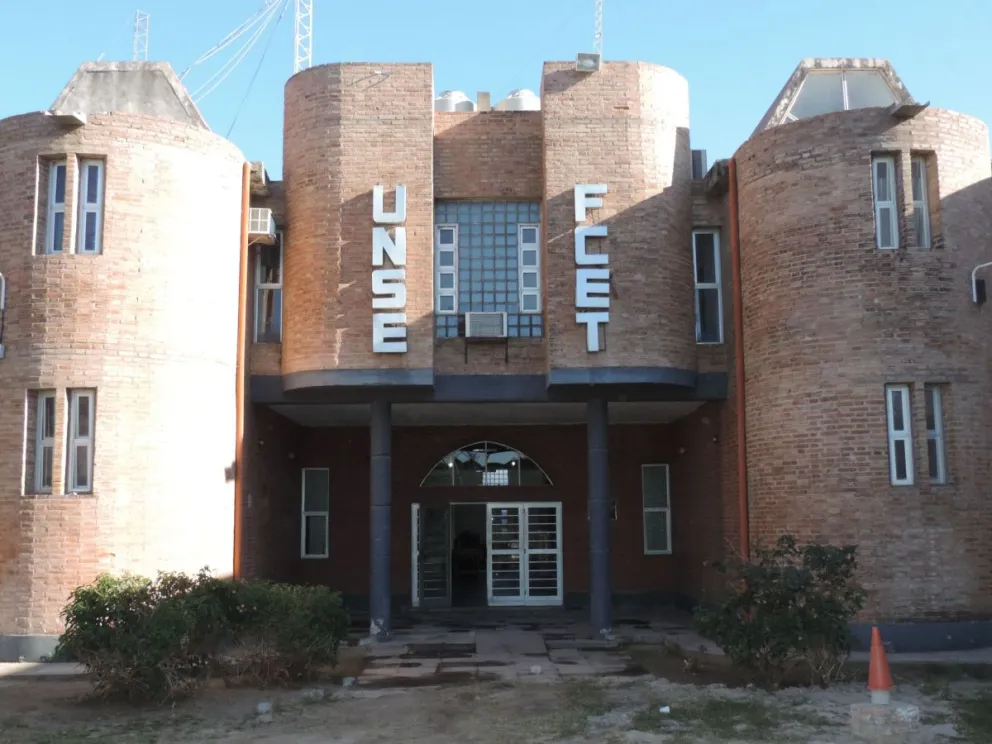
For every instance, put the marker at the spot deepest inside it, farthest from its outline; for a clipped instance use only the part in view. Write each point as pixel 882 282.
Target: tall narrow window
pixel 315 517
pixel 44 449
pixel 268 293
pixel 528 243
pixel 55 218
pixel 446 268
pixel 900 435
pixel 921 206
pixel 709 295
pixel 657 510
pixel 883 169
pixel 82 405
pixel 935 434
pixel 90 231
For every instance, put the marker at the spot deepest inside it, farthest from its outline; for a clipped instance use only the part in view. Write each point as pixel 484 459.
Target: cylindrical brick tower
pixel 136 311
pixel 830 320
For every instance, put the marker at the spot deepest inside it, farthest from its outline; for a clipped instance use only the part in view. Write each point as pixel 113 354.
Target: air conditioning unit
pixel 485 325
pixel 261 226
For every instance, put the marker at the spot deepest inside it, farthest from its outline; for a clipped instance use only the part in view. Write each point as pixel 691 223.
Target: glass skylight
pixel 825 91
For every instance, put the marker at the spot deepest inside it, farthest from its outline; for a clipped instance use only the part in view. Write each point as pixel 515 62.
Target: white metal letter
pixel 389 333
pixel 581 257
pixel 584 200
pixel 388 289
pixel 394 247
pixel 380 216
pixel 592 322
pixel 592 288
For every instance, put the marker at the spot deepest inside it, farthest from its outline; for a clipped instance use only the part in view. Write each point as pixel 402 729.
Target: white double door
pixel 524 543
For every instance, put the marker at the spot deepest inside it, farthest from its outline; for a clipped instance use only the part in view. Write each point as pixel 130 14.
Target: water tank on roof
pixel 520 100
pixel 453 100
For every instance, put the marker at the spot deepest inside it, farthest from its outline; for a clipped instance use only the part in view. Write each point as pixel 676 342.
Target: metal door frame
pixel 523 599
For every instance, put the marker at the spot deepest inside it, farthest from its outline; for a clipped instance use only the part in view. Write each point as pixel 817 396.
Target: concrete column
pixel 381 505
pixel 600 592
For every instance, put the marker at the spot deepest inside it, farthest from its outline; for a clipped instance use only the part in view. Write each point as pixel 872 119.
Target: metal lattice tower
pixel 140 36
pixel 303 46
pixel 597 36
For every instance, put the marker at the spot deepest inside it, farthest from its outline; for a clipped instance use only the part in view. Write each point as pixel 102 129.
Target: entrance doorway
pixel 495 554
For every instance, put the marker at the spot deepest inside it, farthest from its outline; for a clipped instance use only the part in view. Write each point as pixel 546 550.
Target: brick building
pixel 530 354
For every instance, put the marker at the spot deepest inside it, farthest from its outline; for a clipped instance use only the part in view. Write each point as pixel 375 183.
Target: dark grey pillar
pixel 600 592
pixel 381 503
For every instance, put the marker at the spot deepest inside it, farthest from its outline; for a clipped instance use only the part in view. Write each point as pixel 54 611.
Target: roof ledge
pixel 259 183
pixel 67 118
pixel 907 109
pixel 716 182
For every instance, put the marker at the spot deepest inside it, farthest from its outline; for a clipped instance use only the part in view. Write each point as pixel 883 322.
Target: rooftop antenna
pixel 597 36
pixel 303 45
pixel 140 36
pixel 590 62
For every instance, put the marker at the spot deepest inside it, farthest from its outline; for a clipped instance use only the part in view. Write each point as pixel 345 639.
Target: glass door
pixel 431 545
pixel 524 554
pixel 506 551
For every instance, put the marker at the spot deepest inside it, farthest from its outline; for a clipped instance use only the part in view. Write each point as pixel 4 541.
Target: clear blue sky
pixel 735 54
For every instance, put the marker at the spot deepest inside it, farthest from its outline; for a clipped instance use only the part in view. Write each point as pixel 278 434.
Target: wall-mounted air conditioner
pixel 261 226
pixel 485 325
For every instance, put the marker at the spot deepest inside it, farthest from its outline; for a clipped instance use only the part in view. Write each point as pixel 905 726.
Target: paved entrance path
pixel 509 643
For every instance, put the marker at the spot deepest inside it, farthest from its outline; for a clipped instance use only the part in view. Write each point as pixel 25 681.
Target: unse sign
pixel 388 284
pixel 592 285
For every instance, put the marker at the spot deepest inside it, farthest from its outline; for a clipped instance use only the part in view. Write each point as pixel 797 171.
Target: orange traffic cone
pixel 879 677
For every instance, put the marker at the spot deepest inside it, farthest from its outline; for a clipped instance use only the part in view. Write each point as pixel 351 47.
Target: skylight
pixel 824 91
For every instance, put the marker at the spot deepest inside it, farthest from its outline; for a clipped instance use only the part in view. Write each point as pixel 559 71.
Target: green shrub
pixel 787 605
pixel 159 640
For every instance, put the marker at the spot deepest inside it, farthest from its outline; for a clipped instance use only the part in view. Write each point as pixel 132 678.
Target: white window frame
pixel 933 392
pixel 904 435
pixel 76 441
pixel 536 269
pixel 889 203
pixel 326 514
pixel 439 270
pixel 270 286
pixel 923 203
pixel 645 509
pixel 86 208
pixel 55 207
pixel 41 442
pixel 699 286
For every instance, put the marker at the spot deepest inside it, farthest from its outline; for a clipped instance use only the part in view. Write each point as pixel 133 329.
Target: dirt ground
pixel 625 709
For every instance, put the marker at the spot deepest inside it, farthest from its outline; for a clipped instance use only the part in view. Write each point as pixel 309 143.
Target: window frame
pixel 934 395
pixel 55 207
pixel 261 286
pixel 85 208
pixel 41 442
pixel 891 203
pixel 699 287
pixel 922 204
pixel 645 509
pixel 439 270
pixel 326 514
pixel 535 269
pixel 905 435
pixel 75 440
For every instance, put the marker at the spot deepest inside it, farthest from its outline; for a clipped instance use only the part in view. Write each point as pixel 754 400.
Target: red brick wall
pixel 152 325
pixel 626 126
pixel 829 319
pixel 349 127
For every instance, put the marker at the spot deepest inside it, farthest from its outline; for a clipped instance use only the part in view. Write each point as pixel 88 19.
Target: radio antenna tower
pixel 303 45
pixel 140 36
pixel 597 37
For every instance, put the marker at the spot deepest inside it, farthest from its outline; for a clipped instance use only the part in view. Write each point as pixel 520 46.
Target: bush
pixel 787 606
pixel 159 640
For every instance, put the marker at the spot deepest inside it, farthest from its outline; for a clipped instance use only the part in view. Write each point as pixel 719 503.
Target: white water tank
pixel 520 100
pixel 453 100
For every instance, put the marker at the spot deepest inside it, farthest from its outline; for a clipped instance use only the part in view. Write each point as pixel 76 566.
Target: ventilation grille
pixel 485 325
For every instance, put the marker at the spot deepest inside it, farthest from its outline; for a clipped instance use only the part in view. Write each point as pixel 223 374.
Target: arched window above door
pixel 486 464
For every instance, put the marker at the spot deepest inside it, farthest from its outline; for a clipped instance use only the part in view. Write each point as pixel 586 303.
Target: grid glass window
pixel 90 236
pixel 709 296
pixel 268 293
pixel 883 168
pixel 657 510
pixel 44 449
pixel 936 454
pixel 921 206
pixel 315 513
pixel 446 268
pixel 82 404
pixel 897 405
pixel 55 218
pixel 489 265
